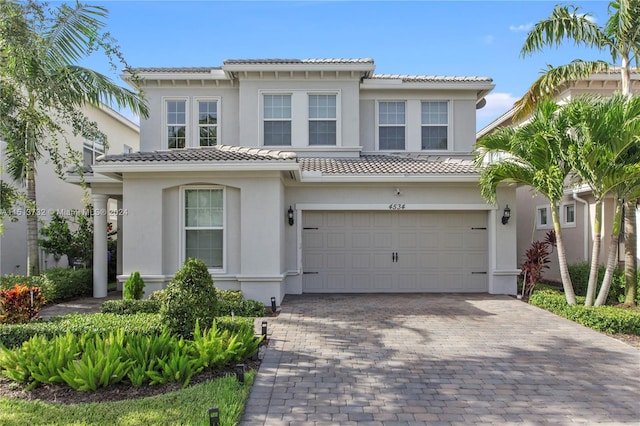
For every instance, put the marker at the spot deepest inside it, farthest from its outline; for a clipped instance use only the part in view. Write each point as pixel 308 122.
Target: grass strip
pixel 184 407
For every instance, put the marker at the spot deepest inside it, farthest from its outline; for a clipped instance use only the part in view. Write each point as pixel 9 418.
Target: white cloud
pixel 523 27
pixel 497 104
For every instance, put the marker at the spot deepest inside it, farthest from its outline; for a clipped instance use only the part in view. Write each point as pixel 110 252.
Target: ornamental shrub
pixel 134 287
pixel 12 335
pixel 190 297
pixel 130 307
pixel 20 304
pixel 66 283
pixel 579 273
pixel 602 318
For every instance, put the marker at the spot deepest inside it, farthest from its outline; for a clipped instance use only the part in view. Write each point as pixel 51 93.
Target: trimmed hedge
pixel 12 335
pixel 579 273
pixel 131 307
pixel 16 334
pixel 601 318
pixel 242 308
pixel 56 284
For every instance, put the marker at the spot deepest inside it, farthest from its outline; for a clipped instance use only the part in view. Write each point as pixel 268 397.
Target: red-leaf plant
pixel 20 304
pixel 536 259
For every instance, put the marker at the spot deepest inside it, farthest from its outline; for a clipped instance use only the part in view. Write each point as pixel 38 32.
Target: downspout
pixel 585 212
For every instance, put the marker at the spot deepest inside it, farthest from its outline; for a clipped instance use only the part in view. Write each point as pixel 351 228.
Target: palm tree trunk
pixel 595 255
pixel 33 255
pixel 630 225
pixel 612 257
pixel 630 253
pixel 562 258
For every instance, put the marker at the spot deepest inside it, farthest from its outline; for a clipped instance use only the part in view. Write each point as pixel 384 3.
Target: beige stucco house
pixel 54 194
pixel 577 209
pixel 316 175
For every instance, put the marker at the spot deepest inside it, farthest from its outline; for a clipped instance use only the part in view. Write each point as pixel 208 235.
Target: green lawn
pixel 185 407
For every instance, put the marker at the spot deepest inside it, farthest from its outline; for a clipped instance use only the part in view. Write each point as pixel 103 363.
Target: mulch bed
pixel 63 394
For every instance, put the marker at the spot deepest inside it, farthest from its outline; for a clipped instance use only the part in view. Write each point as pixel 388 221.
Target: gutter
pixel 586 224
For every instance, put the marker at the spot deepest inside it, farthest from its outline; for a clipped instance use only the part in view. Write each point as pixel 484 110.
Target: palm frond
pixel 73 34
pixel 565 23
pixel 87 86
pixel 551 79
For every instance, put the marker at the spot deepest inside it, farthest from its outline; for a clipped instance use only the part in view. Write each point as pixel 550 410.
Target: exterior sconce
pixel 506 215
pixel 290 215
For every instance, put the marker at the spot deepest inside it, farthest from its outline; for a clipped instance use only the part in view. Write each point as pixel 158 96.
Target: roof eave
pixel 128 167
pixel 308 177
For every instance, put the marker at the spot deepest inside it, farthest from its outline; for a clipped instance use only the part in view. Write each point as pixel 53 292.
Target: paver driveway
pixel 428 359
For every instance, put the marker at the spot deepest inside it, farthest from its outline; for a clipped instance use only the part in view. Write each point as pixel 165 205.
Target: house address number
pixel 396 206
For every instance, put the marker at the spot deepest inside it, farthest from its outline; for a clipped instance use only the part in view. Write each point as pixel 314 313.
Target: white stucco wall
pixel 55 194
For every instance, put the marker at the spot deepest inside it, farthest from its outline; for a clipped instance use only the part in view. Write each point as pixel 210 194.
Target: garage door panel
pixel 336 240
pixel 355 251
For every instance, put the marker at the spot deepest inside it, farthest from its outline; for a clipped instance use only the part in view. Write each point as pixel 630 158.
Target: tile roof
pixel 429 78
pixel 200 155
pixel 190 70
pixel 388 164
pixel 299 61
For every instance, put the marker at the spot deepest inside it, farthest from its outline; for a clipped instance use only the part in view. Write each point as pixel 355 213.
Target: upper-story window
pixel 207 122
pixel 322 120
pixel 435 122
pixel 176 123
pixel 391 125
pixel 91 150
pixel 277 119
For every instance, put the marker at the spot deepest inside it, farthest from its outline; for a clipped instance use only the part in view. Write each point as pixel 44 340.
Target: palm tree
pixel 44 91
pixel 605 156
pixel 620 38
pixel 532 154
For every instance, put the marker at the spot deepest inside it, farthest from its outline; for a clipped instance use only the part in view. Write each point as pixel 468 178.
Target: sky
pixel 455 38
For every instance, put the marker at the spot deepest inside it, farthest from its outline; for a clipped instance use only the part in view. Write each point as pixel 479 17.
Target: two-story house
pixel 577 210
pixel 56 195
pixel 315 175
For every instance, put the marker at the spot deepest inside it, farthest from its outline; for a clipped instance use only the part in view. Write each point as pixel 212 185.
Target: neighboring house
pixel 54 194
pixel 315 175
pixel 577 209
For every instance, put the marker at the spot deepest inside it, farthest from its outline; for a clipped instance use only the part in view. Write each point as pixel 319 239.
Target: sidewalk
pixel 86 305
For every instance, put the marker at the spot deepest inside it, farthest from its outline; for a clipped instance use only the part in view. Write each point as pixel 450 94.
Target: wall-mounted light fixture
pixel 506 215
pixel 290 215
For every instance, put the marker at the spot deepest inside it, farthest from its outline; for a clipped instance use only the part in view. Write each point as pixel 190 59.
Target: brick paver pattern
pixel 438 359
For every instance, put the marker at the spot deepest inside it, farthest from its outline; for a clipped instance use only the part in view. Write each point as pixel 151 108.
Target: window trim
pixel 196 123
pixel 90 145
pixel 335 119
pixel 448 125
pixel 264 120
pixel 378 125
pixel 182 234
pixel 539 224
pixel 563 216
pixel 165 121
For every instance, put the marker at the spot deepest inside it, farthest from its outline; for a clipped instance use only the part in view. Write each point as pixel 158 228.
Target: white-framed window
pixel 203 227
pixel 543 217
pixel 176 123
pixel 391 125
pixel 322 119
pixel 568 216
pixel 277 120
pixel 435 125
pixel 207 122
pixel 91 150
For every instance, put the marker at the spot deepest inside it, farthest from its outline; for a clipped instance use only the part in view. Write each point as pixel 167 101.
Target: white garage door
pixel 370 252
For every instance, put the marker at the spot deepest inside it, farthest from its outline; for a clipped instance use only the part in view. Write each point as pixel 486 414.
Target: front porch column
pixel 100 245
pixel 119 239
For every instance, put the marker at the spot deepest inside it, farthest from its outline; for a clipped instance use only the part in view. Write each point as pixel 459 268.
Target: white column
pixel 100 245
pixel 119 241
